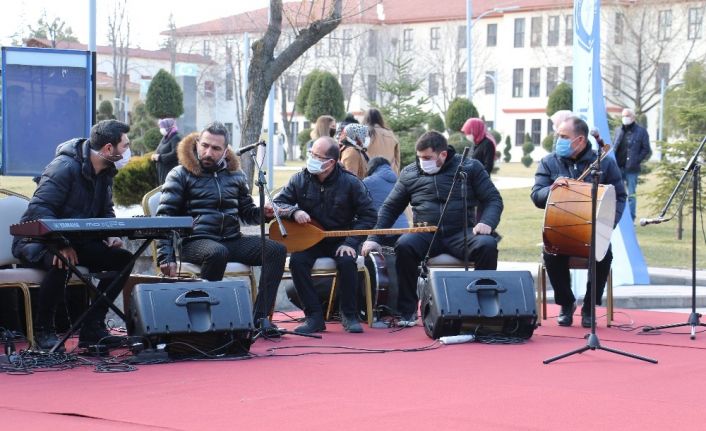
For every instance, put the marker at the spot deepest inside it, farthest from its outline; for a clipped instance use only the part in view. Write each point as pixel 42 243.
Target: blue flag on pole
pixel 629 265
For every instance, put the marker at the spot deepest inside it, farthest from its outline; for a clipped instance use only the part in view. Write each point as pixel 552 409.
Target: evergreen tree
pixel 164 96
pixel 562 97
pixel 507 151
pixel 399 108
pixel 105 111
pixel 325 98
pixel 460 110
pixel 303 94
pixel 54 30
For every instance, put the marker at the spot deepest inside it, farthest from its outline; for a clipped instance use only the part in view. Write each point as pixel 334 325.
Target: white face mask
pixel 627 121
pixel 163 131
pixel 126 158
pixel 470 138
pixel 429 166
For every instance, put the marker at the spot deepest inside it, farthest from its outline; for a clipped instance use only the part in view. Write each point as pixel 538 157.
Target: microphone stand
pixel 693 167
pixel 593 343
pixel 271 331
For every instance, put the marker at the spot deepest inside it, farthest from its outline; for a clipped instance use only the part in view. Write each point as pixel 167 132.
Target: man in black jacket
pixel 210 187
pixel 632 147
pixel 337 200
pixel 425 185
pixel 78 183
pixel 571 157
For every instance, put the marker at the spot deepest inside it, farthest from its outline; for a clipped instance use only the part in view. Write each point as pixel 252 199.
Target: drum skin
pixel 567 219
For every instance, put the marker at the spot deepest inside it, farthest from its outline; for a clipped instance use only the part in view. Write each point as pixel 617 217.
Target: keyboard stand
pixel 100 296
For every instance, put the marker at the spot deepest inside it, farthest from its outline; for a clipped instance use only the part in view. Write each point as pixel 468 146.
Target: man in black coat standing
pixel 425 185
pixel 632 147
pixel 78 183
pixel 337 200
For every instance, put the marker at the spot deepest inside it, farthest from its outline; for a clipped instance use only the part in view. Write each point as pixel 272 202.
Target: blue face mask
pixel 563 147
pixel 314 166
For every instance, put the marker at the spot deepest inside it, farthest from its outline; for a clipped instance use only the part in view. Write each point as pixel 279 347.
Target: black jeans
pixel 213 256
pixel 97 257
pixel 301 264
pixel 557 266
pixel 412 247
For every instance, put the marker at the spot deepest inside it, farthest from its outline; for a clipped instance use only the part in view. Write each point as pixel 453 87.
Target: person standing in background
pixel 165 156
pixel 383 142
pixel 632 147
pixel 483 142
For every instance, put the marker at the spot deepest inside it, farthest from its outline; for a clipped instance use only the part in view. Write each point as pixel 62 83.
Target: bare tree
pixel 54 30
pixel 266 68
pixel 643 46
pixel 171 45
pixel 119 39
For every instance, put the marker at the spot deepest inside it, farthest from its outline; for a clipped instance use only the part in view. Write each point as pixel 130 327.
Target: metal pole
pixel 94 62
pixel 469 69
pixel 660 132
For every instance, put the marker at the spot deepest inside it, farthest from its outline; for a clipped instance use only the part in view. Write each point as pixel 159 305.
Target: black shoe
pixel 313 323
pixel 351 324
pixel 585 319
pixel 267 329
pixel 94 333
pixel 566 315
pixel 45 339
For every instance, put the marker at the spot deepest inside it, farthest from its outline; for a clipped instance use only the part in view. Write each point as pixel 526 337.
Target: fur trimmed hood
pixel 186 151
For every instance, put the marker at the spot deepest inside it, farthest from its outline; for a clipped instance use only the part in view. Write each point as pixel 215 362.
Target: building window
pixel 319 49
pixel 617 79
pixel 490 82
pixel 664 26
pixel 347 85
pixel 372 43
pixel 696 19
pixel 460 84
pixel 461 37
pixel 619 28
pixel 553 31
pixel 517 82
pixel 519 32
pixel 536 31
pixel 346 42
pixel 569 75
pixel 332 45
pixel 662 73
pixel 569 32
pixel 552 78
pixel 534 82
pixel 434 36
pixel 519 133
pixel 207 48
pixel 433 84
pixel 209 88
pixel 407 40
pixel 536 132
pixel 372 88
pixel 492 35
pixel 230 81
pixel 291 83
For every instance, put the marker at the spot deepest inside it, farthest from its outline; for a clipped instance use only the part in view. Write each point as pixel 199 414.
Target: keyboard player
pixel 77 183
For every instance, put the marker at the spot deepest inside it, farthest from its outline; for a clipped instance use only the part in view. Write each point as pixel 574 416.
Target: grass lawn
pixel 521 224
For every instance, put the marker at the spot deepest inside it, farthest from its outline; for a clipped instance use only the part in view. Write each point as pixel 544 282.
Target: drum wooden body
pixel 567 220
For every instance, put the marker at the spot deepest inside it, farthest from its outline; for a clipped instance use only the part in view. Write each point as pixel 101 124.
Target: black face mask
pixel 332 132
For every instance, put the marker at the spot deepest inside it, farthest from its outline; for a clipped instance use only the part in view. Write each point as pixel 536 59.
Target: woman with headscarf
pixel 165 156
pixel 353 149
pixel 483 142
pixel 383 142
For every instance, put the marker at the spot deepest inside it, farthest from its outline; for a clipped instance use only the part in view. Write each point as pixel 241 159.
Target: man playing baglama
pixel 572 156
pixel 337 200
pixel 210 187
pixel 425 186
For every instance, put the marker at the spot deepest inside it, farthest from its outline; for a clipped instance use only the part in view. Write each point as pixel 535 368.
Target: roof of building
pixel 365 11
pixel 161 54
pixel 105 81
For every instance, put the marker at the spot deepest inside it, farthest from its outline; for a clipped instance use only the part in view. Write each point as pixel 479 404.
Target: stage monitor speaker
pixel 479 303
pixel 194 319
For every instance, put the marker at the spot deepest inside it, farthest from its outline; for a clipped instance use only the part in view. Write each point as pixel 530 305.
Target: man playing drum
pixel 571 157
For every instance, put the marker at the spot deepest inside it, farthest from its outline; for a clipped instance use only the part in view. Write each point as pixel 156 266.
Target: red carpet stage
pixel 465 386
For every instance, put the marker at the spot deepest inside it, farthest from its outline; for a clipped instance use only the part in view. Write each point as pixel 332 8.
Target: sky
pixel 147 17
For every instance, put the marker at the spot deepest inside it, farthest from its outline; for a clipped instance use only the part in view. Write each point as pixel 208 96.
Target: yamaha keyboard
pixel 132 227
